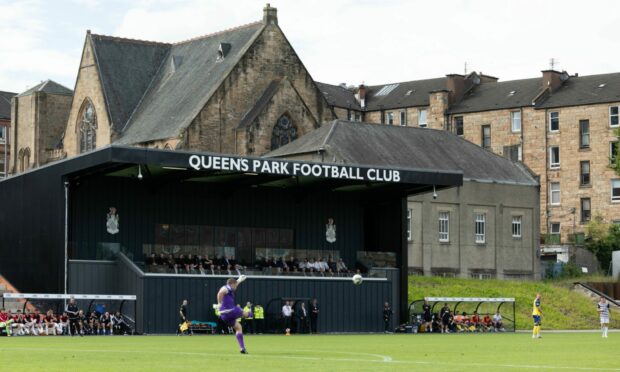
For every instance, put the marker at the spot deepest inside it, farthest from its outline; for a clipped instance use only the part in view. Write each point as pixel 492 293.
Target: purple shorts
pixel 231 317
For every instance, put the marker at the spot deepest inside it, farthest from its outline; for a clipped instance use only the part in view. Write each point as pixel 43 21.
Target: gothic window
pixel 283 132
pixel 88 128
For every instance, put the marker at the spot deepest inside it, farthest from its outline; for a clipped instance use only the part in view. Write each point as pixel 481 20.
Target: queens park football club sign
pixel 281 167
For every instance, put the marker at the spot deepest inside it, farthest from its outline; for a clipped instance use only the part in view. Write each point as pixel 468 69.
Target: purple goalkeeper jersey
pixel 228 302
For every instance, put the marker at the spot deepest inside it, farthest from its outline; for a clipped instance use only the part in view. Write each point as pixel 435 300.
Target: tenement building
pixel 563 127
pixel 5 125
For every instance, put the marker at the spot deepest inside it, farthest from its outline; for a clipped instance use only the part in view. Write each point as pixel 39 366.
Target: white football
pixel 357 279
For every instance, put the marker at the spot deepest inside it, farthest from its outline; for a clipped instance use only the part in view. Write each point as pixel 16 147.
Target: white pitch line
pixel 275 356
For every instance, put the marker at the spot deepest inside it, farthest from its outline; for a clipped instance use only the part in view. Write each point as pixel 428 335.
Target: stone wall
pixel 271 57
pixel 88 87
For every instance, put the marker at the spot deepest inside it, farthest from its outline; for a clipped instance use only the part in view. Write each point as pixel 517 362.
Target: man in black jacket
pixel 314 315
pixel 387 316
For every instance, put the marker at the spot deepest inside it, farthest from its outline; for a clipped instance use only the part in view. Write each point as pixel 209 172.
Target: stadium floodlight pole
pixel 66 236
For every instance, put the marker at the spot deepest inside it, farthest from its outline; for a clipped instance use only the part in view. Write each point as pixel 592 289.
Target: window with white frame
pixel 422 119
pixel 613 151
pixel 554 228
pixel 481 276
pixel 486 137
pixel 444 226
pixel 403 118
pixel 615 190
pixel 480 227
pixel 554 121
pixel 2 134
pixel 613 116
pixel 409 224
pixel 515 119
pixel 554 193
pixel 516 226
pixel 554 157
pixel 389 118
pixel 586 210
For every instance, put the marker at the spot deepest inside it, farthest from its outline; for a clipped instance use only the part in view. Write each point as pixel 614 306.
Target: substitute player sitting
pixel 536 314
pixel 230 313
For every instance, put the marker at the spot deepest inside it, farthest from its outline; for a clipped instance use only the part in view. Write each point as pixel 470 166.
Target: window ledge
pixel 479 244
pixel 444 243
pixel 517 238
pixel 559 205
pixel 588 186
pixel 585 149
pixel 554 168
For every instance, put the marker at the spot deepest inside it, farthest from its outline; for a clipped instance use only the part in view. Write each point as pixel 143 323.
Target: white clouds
pixel 25 59
pixel 179 20
pixel 338 40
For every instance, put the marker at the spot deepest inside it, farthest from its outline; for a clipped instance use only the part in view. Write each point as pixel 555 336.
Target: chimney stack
pixel 361 95
pixel 455 84
pixel 270 15
pixel 553 79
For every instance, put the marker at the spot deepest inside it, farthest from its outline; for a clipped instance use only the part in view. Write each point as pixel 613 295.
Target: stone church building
pixel 240 91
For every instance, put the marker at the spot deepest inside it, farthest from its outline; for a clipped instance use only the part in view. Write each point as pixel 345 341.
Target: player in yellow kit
pixel 536 313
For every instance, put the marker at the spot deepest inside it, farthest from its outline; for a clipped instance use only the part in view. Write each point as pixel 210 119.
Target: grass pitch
pixel 436 352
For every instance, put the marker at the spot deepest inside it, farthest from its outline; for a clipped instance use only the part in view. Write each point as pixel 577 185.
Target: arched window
pixel 88 128
pixel 283 132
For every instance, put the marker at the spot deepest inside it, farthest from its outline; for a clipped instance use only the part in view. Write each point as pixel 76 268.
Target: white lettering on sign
pixel 279 167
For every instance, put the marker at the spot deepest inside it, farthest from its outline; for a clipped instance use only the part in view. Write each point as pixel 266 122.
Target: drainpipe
pixel 546 172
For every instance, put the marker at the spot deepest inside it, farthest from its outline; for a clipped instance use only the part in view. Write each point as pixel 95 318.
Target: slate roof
pixel 126 68
pixel 408 147
pixel 406 94
pixel 5 104
pixel 585 90
pixel 339 96
pixel 180 90
pixel 500 95
pixel 49 87
pixel 258 107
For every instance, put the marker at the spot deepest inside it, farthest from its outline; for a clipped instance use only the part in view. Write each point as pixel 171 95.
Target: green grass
pixel 562 308
pixel 436 352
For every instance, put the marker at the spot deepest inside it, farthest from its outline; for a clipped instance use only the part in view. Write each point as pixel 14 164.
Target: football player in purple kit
pixel 230 313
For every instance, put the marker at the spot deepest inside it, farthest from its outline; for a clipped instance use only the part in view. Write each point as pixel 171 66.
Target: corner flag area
pixel 583 351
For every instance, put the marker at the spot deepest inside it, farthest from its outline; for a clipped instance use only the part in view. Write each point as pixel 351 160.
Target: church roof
pixel 49 87
pixel 262 102
pixel 185 79
pixel 408 147
pixel 126 68
pixel 5 104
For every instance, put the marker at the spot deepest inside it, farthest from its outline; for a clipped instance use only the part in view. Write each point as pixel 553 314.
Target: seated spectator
pixel 303 266
pixel 333 266
pixel 459 322
pixel 17 328
pixel 312 266
pixel 119 325
pixel 63 324
pixel 341 267
pixel 172 264
pixel 29 324
pixel 151 261
pixel 475 323
pixel 105 324
pixel 50 323
pixel 93 323
pixel 82 323
pixel 436 326
pixel 191 263
pixel 324 267
pixel 182 263
pixel 161 260
pixel 487 323
pixel 498 322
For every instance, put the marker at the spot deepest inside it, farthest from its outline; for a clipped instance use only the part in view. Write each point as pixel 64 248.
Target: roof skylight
pixel 387 89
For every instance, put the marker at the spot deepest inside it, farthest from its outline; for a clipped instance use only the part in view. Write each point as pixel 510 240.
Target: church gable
pixel 88 89
pixel 278 117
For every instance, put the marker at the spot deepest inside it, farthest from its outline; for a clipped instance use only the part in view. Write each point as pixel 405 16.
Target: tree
pixel 603 239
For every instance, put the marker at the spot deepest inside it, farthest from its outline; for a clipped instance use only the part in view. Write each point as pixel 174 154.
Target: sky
pixel 339 41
